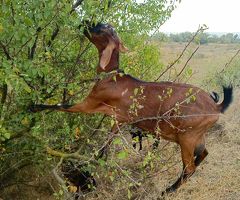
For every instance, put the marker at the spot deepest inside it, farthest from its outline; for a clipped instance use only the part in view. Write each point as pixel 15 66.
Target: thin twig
pixel 5 50
pixel 60 180
pixel 186 63
pixel 75 5
pixel 230 61
pixel 224 68
pixel 200 29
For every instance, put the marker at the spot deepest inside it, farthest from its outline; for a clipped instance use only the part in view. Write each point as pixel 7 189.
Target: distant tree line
pixel 203 38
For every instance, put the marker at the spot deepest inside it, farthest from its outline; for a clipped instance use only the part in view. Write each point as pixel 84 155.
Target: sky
pixel 218 15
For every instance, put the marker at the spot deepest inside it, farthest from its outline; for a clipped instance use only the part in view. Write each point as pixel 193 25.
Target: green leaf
pixel 111 178
pixel 101 162
pixel 27 88
pixel 7 135
pixel 28 21
pixel 122 155
pixel 129 194
pixel 61 192
pixel 115 78
pixel 117 141
pixel 112 122
pixel 135 91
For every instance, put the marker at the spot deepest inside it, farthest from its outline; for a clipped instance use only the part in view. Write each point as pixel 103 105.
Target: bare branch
pixel 200 29
pixel 186 63
pixel 54 35
pixel 98 126
pixel 75 5
pixel 5 50
pixel 32 50
pixel 76 155
pixel 60 180
pixel 230 61
pixel 4 91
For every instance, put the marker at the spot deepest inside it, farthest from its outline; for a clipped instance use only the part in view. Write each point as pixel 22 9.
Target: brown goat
pixel 180 113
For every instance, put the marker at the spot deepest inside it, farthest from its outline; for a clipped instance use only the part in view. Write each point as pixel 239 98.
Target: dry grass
pixel 208 59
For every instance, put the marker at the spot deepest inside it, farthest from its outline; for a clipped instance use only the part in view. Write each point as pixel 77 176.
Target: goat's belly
pixel 170 129
pixel 159 129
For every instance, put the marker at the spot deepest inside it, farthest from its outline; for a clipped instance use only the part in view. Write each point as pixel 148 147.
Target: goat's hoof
pixel 163 194
pixel 169 190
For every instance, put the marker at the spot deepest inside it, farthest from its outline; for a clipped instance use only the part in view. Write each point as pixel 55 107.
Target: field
pixel 209 58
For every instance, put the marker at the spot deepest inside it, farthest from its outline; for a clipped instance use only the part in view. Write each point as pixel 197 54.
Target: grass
pixel 209 58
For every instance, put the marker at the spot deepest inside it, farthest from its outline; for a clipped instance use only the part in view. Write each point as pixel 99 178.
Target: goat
pixel 137 135
pixel 178 112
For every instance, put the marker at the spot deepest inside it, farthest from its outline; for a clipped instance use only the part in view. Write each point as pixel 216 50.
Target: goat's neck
pixel 112 65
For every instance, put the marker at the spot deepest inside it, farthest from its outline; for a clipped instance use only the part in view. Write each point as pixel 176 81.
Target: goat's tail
pixel 227 98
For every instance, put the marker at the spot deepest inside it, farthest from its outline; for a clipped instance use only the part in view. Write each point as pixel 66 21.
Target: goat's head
pixel 105 38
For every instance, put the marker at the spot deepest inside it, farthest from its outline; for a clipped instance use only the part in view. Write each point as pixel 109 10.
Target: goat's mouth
pixel 94 28
pixel 99 28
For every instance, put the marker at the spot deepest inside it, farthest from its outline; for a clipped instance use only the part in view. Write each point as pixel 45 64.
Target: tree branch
pixel 61 181
pixel 230 61
pixel 4 91
pixel 32 50
pixel 74 155
pixel 54 35
pixel 200 29
pixel 75 5
pixel 5 50
pixel 186 63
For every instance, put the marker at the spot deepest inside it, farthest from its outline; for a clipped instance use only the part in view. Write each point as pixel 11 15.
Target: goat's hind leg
pixel 200 154
pixel 189 167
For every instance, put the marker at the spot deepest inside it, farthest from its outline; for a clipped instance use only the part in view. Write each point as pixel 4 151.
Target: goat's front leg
pixel 89 105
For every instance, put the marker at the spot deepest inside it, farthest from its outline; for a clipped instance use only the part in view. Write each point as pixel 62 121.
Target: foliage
pixel 44 58
pixel 230 75
pixel 203 38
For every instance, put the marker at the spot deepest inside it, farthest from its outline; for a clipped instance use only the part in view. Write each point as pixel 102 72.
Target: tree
pixel 45 58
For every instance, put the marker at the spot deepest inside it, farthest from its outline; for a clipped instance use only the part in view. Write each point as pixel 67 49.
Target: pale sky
pixel 218 15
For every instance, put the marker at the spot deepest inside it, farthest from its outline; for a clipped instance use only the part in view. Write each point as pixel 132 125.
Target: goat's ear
pixel 106 54
pixel 122 48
